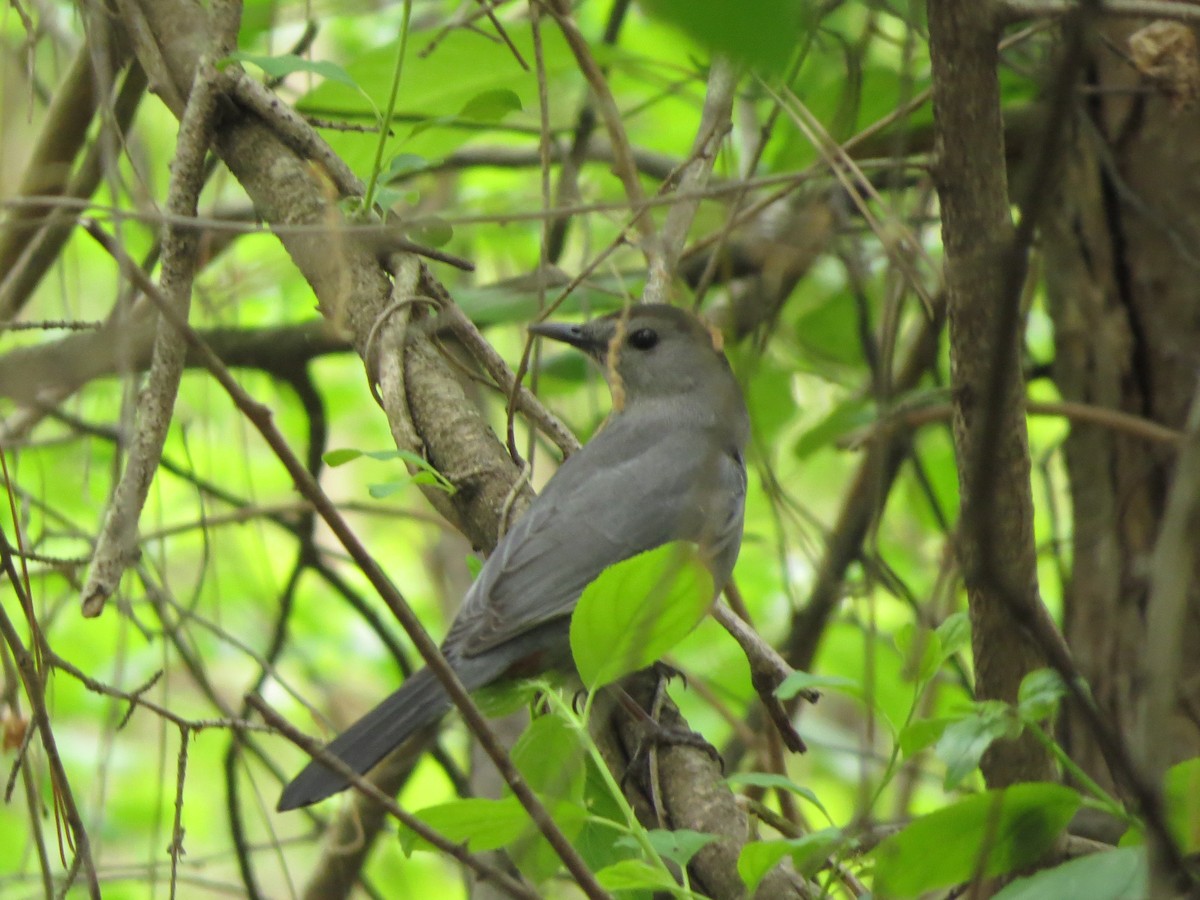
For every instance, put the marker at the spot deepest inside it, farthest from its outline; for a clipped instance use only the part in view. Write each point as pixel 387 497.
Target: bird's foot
pixel 654 734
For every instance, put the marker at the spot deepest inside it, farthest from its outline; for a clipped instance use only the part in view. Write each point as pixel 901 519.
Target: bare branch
pixel 116 546
pixel 714 125
pixel 487 872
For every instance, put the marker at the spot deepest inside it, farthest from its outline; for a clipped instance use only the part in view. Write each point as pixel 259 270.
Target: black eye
pixel 643 338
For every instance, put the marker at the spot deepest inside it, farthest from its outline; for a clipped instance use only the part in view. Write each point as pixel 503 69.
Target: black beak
pixel 575 335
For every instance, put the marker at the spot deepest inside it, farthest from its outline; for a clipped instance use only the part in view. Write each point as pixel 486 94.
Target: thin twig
pixel 116 546
pixel 623 163
pixel 35 693
pixel 483 869
pixel 262 419
pixel 176 848
pixel 714 126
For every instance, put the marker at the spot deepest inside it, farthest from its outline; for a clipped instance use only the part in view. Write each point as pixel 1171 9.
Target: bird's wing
pixel 634 487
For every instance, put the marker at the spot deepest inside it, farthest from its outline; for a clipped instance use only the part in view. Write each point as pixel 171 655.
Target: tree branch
pixel 996 548
pixel 116 546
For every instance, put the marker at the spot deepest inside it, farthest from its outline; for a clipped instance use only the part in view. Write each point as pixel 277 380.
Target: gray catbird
pixel 666 466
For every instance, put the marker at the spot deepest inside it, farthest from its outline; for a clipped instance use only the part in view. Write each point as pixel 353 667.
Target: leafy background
pixel 820 303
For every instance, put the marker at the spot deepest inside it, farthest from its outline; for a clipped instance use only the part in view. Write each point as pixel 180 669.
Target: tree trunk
pixel 1121 273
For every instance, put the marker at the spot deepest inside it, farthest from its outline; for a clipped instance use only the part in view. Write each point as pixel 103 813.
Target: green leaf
pixel 635 874
pixel 775 782
pixel 335 458
pixel 1038 696
pixel 488 107
pixel 844 418
pixel 677 846
pixel 483 824
pixel 491 105
pixel 954 633
pixel 637 610
pixel 433 479
pixel 479 823
pixel 761 35
pixel 431 231
pixel 920 733
pixel 426 473
pixel 551 737
pixel 505 697
pixel 803 681
pixel 988 834
pixel 403 164
pixel 383 491
pixel 1182 790
pixel 286 64
pixel 464 63
pixel 964 742
pixel 1111 875
pixel 389 197
pixel 808 853
pixel 922 652
pixel 768 391
pixel 757 859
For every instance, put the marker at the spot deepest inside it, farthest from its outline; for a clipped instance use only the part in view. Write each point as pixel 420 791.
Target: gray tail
pixel 420 701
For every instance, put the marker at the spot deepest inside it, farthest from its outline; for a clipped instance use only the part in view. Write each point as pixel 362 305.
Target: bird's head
pixel 648 352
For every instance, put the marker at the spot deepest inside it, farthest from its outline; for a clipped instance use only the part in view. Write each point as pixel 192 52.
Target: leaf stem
pixel 385 124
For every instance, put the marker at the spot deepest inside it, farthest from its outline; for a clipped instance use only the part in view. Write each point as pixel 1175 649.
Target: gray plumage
pixel 666 466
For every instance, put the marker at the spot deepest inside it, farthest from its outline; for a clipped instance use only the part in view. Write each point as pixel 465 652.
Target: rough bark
pixel 1121 275
pixel 996 549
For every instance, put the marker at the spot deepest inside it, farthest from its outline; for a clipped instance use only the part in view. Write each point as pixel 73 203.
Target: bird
pixel 667 465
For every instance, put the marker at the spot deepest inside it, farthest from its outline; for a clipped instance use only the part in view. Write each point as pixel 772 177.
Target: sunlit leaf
pixel 426 473
pixel 986 835
pixel 954 634
pixel 762 35
pixel 678 846
pixel 845 418
pixel 637 610
pixel 922 652
pixel 431 231
pixel 757 859
pixel 340 457
pixel 488 107
pixel 491 105
pixel 403 164
pixel 634 874
pixel 550 737
pixel 777 782
pixel 963 742
pixel 288 63
pixel 1117 874
pixel 1182 789
pixel 479 823
pixel 808 853
pixel 1039 694
pixel 806 681
pixel 921 733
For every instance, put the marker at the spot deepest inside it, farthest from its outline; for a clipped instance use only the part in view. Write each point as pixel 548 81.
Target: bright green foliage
pixel 426 473
pixel 637 610
pixel 233 590
pixel 1182 792
pixel 982 836
pixel 761 33
pixel 807 853
pixel 964 741
pixel 1118 874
